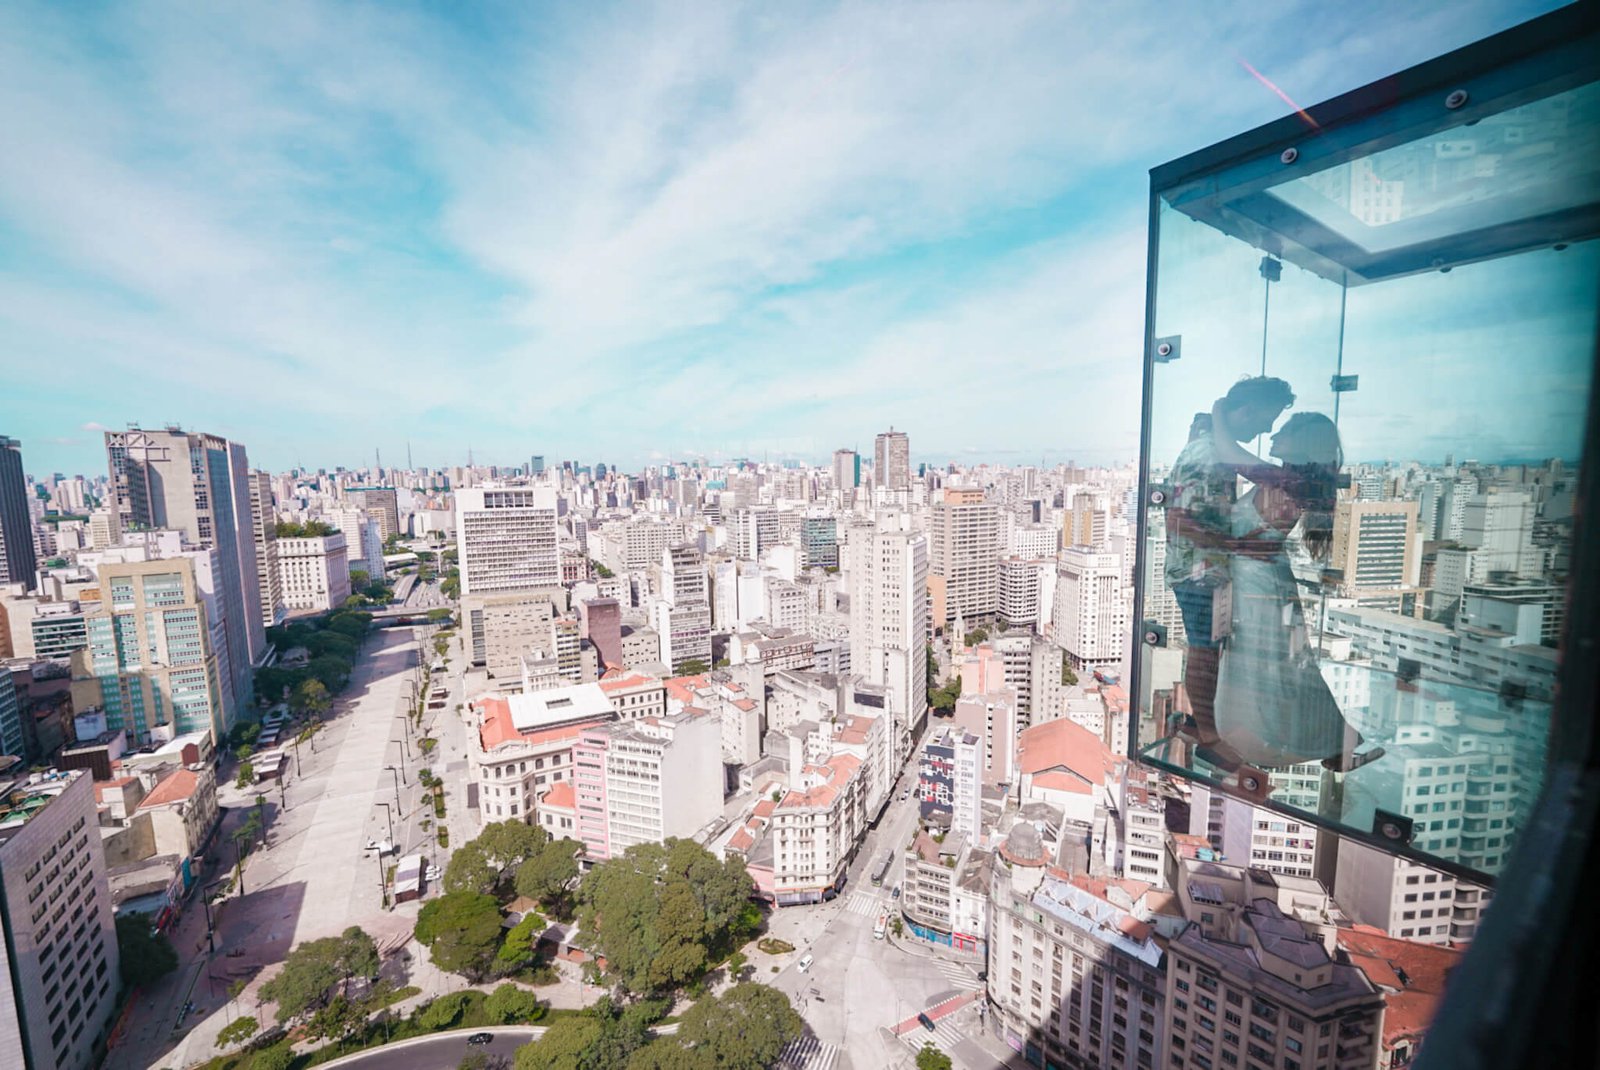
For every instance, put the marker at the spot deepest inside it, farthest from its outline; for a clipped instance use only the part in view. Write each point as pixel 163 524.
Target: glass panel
pixel 1542 157
pixel 1361 505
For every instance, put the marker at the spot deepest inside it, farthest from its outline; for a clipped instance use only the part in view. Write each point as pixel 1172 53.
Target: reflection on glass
pixel 1358 534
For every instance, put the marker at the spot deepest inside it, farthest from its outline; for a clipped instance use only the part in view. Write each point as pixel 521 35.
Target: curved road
pixel 442 1051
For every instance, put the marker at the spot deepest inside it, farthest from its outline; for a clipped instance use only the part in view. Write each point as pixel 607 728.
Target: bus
pixel 883 868
pixel 883 926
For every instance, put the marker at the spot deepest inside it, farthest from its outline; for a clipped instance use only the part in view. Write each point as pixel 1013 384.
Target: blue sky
pixel 617 233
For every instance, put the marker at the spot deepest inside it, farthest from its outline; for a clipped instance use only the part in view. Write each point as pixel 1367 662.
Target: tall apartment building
pixel 1406 899
pixel 1021 580
pixel 380 503
pixel 156 648
pixel 264 525
pixel 1073 974
pixel 1376 545
pixel 59 959
pixel 1092 604
pixel 506 539
pixel 891 460
pixel 363 539
pixel 1499 526
pixel 314 571
pixel 819 538
pixel 198 484
pixel 815 827
pixel 646 781
pixel 1251 981
pixel 846 474
pixel 17 560
pixel 13 740
pixel 889 623
pixel 1259 838
pixel 950 778
pixel 683 616
pixel 964 547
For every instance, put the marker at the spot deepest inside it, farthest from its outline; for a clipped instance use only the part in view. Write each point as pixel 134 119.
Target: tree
pixel 439 614
pixel 445 1011
pixel 336 1019
pixel 311 529
pixel 520 941
pixel 313 969
pixel 1068 677
pixel 359 578
pixel 450 586
pixel 693 667
pixel 246 776
pixel 546 875
pixel 747 1028
pixel 147 956
pixel 278 1057
pixel 237 1032
pixel 976 636
pixel 943 699
pixel 603 572
pixel 359 956
pixel 332 670
pixel 510 1005
pixel 566 1045
pixel 311 699
pixel 659 912
pixel 462 930
pixel 350 624
pixel 931 1058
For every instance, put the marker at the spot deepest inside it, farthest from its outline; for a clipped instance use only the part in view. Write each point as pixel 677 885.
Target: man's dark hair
pixel 1262 390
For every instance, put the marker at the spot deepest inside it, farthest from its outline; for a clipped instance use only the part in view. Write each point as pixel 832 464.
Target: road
pixel 860 987
pixel 441 1052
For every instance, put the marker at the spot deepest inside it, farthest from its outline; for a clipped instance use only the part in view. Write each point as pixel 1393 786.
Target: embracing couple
pixel 1256 692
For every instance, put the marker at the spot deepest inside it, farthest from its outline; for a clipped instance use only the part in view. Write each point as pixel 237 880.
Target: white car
pixel 433 873
pixel 383 847
pixel 805 961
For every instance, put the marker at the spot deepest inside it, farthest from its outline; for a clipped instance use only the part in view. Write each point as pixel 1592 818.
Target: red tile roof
pixel 616 681
pixel 1064 745
pixel 764 808
pixel 497 727
pixel 1412 1000
pixel 179 786
pixel 559 796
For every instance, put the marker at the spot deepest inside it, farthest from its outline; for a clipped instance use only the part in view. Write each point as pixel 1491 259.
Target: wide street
pixel 313 878
pixel 860 988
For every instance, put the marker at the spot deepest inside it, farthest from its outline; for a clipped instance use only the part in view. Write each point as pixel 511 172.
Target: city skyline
pixel 813 223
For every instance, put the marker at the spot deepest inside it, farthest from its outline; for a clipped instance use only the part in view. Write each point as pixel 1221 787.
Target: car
pixel 805 961
pixel 480 1038
pixel 927 1023
pixel 895 893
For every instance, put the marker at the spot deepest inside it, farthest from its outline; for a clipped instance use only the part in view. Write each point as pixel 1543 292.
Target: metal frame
pixel 1546 55
pixel 1226 185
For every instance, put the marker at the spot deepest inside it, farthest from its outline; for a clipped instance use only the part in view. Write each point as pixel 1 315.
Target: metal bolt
pixel 1289 155
pixel 1157 497
pixel 1456 99
pixel 1164 349
pixel 1250 783
pixel 1391 830
pixel 1151 638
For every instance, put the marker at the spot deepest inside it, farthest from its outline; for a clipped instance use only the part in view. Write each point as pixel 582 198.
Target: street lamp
pixel 396 773
pixel 389 813
pixel 403 749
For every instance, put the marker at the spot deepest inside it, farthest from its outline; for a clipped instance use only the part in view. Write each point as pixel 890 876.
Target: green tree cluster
pixel 931 1058
pixel 461 929
pixel 333 643
pixel 312 970
pixel 146 956
pixel 661 914
pixel 237 1031
pixel 693 667
pixel 311 529
pixel 977 635
pixel 1068 677
pixel 746 1028
pixel 943 699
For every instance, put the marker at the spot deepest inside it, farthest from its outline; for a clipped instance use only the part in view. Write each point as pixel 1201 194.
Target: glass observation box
pixel 1370 356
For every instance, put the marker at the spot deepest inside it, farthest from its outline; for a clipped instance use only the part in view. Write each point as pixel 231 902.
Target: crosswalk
pixel 945 1036
pixel 806 1052
pixel 864 903
pixel 957 973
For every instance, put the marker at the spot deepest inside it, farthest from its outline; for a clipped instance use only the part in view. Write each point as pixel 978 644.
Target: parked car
pixel 480 1038
pixel 806 960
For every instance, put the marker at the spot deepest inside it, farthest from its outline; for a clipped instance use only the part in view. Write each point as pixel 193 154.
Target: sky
pixel 619 233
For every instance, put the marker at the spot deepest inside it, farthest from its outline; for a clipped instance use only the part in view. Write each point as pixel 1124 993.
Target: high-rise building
pixel 1091 608
pixel 17 560
pixel 964 547
pixel 846 474
pixel 1407 899
pixel 1499 527
pixel 645 781
pixel 1259 838
pixel 315 571
pixel 819 538
pixel 13 741
pixel 1375 544
pixel 264 523
pixel 536 465
pixel 889 623
pixel 601 623
pixel 152 656
pixel 506 538
pixel 381 503
pixel 891 460
pixel 59 959
pixel 363 540
pixel 198 484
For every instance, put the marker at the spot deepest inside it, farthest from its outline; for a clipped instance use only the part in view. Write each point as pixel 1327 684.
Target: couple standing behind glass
pixel 1256 691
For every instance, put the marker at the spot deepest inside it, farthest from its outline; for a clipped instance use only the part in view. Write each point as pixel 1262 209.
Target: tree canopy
pixel 146 957
pixel 313 969
pixel 931 1058
pixel 547 874
pixel 660 912
pixel 488 861
pixel 462 931
pixel 310 529
pixel 693 667
pixel 943 699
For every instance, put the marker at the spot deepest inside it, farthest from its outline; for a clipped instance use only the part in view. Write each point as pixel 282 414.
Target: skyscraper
pixel 846 474
pixel 889 622
pixel 964 545
pixel 892 460
pixel 381 503
pixel 506 537
pixel 198 484
pixel 17 561
pixel 264 524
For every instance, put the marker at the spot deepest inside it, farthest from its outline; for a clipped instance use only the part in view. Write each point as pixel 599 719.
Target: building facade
pixel 315 572
pixel 17 559
pixel 506 539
